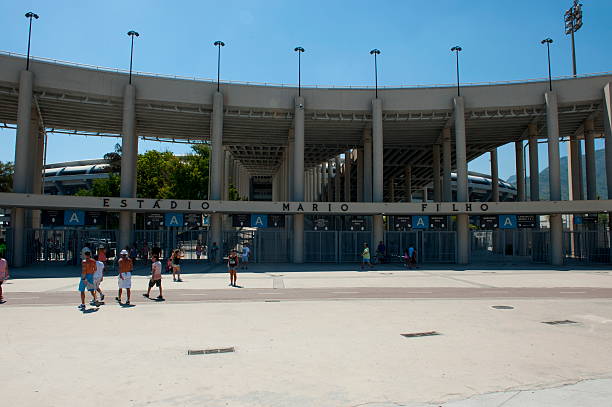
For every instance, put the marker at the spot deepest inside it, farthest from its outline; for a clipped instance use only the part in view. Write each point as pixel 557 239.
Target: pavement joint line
pixel 345 292
pixel 460 280
pixel 572 292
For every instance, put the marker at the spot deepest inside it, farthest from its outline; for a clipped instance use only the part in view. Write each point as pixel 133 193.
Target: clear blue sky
pixel 501 41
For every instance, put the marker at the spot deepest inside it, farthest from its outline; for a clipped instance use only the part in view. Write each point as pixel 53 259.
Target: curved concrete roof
pixel 257 119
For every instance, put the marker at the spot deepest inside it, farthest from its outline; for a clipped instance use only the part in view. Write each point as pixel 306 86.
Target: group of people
pixel 409 258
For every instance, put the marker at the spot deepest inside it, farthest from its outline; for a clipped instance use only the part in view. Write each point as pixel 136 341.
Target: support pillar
pixel 589 149
pixel 378 232
pixel 348 162
pixel 608 135
pixel 216 165
pixel 37 170
pixel 337 182
pixel 330 181
pixel 129 155
pixel 463 238
pixel 494 176
pixel 324 187
pixel 437 190
pixel 360 175
pixel 554 167
pixel 447 193
pixel 226 175
pixel 520 170
pixel 534 167
pixel 23 146
pixel 392 189
pixel 298 179
pixel 408 183
pixel 367 165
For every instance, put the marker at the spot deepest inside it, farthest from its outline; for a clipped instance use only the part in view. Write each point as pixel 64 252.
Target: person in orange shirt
pixel 125 276
pixel 88 268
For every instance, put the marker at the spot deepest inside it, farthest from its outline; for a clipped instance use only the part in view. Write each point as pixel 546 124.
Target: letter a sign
pixel 420 221
pixel 507 221
pixel 259 221
pixel 74 218
pixel 173 220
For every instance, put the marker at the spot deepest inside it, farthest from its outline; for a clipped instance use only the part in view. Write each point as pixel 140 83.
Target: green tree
pixel 110 186
pixel 6 176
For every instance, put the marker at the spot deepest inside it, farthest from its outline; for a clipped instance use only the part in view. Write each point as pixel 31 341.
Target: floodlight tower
pixel 299 50
pixel 375 52
pixel 132 34
pixel 219 44
pixel 456 49
pixel 573 22
pixel 30 15
pixel 548 41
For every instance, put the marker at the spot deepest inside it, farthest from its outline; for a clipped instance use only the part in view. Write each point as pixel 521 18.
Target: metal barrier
pixel 351 245
pixel 236 239
pixel 514 245
pixel 320 246
pixel 587 246
pixel 272 246
pixel 396 242
pixel 439 247
pixel 540 246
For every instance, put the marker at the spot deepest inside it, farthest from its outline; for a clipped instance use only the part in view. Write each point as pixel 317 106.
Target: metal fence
pixel 396 242
pixel 439 247
pixel 272 246
pixel 351 245
pixel 587 246
pixel 320 246
pixel 510 245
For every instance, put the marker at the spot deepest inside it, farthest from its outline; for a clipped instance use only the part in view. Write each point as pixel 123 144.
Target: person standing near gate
pixel 365 256
pixel 213 252
pixel 232 265
pixel 412 257
pixel 4 273
pixel 176 266
pixel 88 269
pixel 246 252
pixel 125 276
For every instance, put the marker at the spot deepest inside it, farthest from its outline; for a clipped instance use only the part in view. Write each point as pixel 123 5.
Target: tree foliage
pixel 6 176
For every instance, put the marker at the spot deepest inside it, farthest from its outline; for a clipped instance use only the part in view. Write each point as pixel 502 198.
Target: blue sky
pixel 501 41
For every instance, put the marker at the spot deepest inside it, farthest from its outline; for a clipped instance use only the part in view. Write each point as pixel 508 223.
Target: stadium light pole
pixel 132 34
pixel 219 44
pixel 573 22
pixel 456 49
pixel 375 52
pixel 548 41
pixel 30 15
pixel 299 50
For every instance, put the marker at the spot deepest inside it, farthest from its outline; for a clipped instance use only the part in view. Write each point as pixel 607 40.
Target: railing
pixel 284 85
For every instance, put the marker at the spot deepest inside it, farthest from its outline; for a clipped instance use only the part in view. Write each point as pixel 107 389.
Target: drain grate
pixel 420 334
pixel 502 307
pixel 210 351
pixel 566 322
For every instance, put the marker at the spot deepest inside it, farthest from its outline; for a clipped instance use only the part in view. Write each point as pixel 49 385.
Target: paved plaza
pixel 313 335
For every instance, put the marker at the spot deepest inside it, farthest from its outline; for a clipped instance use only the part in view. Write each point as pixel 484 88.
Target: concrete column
pixel 494 176
pixel 554 168
pixel 338 182
pixel 608 135
pixel 408 183
pixel 534 167
pixel 377 169
pixel 447 194
pixel 324 184
pixel 589 149
pixel 463 241
pixel 216 165
pixel 129 155
pixel 331 181
pixel 23 147
pixel 425 195
pixel 520 170
pixel 367 165
pixel 37 181
pixel 348 161
pixel 290 164
pixel 360 175
pixel 226 175
pixel 437 190
pixel 319 180
pixel 298 179
pixel 392 189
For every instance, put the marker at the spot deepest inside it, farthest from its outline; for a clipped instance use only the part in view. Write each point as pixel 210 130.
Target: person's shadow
pixel 90 310
pixel 123 305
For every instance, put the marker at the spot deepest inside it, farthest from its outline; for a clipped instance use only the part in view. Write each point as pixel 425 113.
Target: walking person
pixel 176 266
pixel 232 265
pixel 412 255
pixel 365 257
pixel 244 260
pixel 99 276
pixel 198 250
pixel 88 268
pixel 4 274
pixel 213 252
pixel 156 278
pixel 124 280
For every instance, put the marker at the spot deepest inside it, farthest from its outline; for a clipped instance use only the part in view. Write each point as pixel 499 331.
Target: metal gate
pixel 272 246
pixel 236 240
pixel 320 246
pixel 439 247
pixel 351 245
pixel 397 242
pixel 588 246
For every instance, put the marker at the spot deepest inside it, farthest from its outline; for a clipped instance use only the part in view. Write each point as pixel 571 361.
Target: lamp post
pixel 375 52
pixel 219 44
pixel 456 49
pixel 30 15
pixel 299 50
pixel 548 41
pixel 132 34
pixel 573 22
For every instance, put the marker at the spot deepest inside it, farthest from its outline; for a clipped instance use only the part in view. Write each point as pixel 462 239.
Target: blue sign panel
pixel 507 222
pixel 259 221
pixel 420 221
pixel 74 218
pixel 173 220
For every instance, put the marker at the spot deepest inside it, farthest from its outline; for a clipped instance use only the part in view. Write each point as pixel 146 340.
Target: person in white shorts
pixel 125 276
pixel 244 260
pixel 99 276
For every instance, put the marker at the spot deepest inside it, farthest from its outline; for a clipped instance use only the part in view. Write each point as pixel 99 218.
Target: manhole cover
pixel 502 307
pixel 567 321
pixel 419 334
pixel 210 351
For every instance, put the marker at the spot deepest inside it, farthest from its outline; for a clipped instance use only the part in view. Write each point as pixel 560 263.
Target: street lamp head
pixel 374 52
pixel 546 41
pixel 219 44
pixel 456 48
pixel 298 49
pixel 133 33
pixel 30 14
